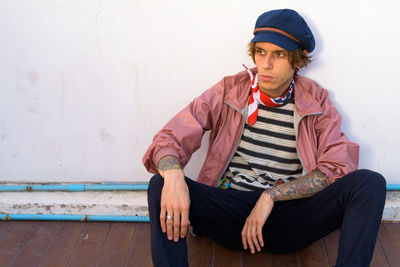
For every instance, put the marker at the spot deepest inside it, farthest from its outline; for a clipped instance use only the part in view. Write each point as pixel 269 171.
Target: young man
pixel 279 174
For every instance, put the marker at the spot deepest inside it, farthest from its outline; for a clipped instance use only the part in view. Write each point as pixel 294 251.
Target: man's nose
pixel 267 63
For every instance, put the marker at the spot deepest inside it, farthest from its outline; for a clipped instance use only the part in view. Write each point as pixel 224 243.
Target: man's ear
pixel 306 54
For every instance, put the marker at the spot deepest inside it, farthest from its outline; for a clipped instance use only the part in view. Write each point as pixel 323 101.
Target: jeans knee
pixel 372 182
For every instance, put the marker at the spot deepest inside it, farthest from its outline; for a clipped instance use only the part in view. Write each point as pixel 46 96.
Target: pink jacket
pixel 222 109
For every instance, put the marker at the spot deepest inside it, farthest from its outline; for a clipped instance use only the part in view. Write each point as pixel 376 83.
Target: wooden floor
pixel 41 243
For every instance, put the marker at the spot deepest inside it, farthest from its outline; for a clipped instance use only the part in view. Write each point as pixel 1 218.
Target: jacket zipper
pixel 241 133
pixel 297 134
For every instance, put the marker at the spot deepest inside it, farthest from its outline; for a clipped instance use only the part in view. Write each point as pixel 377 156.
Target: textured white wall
pixel 84 85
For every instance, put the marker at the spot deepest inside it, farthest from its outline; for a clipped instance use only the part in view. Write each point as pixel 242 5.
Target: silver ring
pixel 170 217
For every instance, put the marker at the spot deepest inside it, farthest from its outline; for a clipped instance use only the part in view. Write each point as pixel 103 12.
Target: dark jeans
pixel 354 203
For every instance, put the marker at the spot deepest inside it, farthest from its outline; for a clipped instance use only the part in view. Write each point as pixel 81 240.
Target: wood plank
pixel 332 247
pixel 140 252
pixel 257 259
pixel 3 226
pixel 36 245
pixel 13 239
pixel 62 244
pixel 89 244
pixel 282 260
pixel 389 235
pixel 314 255
pixel 120 236
pixel 331 242
pixel 200 251
pixel 224 257
pixel 379 258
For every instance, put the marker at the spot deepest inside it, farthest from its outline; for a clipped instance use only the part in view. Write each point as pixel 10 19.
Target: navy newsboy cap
pixel 284 28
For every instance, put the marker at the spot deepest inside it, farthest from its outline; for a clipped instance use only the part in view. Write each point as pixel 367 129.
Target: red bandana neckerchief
pixel 257 97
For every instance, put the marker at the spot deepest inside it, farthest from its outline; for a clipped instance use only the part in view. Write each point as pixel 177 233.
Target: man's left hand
pixel 252 230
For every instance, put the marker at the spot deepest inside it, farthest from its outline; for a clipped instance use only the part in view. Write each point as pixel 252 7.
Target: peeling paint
pixel 22 206
pixel 48 207
pixel 33 77
pixel 4 136
pixel 30 109
pixel 106 136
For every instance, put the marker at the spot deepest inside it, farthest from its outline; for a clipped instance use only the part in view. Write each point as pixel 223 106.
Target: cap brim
pixel 277 39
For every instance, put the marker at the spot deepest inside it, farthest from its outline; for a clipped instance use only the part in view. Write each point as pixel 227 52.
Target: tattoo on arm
pixel 168 163
pixel 303 187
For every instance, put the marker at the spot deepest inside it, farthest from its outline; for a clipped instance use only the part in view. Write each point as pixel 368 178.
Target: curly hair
pixel 296 58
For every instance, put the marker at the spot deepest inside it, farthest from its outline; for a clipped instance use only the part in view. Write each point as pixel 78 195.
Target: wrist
pixel 269 195
pixel 172 174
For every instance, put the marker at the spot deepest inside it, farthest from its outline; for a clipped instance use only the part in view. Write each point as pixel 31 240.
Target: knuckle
pixel 185 208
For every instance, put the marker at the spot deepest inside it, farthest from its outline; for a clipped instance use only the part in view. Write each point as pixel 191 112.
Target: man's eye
pixel 281 54
pixel 260 52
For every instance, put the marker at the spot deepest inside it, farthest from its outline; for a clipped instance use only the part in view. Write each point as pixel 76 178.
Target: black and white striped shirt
pixel 267 151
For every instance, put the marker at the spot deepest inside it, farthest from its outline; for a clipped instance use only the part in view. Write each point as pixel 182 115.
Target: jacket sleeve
pixel 336 155
pixel 182 135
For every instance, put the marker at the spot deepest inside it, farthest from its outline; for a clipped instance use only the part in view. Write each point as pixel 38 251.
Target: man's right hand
pixel 175 202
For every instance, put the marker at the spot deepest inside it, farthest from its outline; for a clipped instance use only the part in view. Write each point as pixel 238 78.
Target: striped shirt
pixel 267 150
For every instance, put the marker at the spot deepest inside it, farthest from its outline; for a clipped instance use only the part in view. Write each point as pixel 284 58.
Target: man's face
pixel 274 69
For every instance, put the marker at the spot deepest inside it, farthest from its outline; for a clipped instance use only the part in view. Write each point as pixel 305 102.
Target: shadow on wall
pixel 319 46
pixel 318 63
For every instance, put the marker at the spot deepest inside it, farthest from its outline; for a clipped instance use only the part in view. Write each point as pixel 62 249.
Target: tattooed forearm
pixel 303 187
pixel 168 163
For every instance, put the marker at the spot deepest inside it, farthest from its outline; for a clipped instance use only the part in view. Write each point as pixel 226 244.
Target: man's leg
pixel 214 212
pixel 163 251
pixel 354 203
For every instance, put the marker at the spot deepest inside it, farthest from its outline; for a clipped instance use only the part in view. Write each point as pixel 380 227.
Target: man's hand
pixel 175 200
pixel 252 230
pixel 306 186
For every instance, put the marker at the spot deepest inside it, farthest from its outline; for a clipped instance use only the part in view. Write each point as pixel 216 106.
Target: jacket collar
pixel 238 96
pixel 305 103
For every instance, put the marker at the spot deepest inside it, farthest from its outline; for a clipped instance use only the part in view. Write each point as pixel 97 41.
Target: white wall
pixel 84 85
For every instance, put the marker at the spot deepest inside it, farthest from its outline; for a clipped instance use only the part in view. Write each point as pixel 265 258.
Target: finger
pixel 254 238
pixel 249 240
pixel 244 231
pixel 177 222
pixel 259 236
pixel 184 223
pixel 162 220
pixel 169 223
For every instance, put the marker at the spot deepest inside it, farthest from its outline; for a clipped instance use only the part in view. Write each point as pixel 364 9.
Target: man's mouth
pixel 266 78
